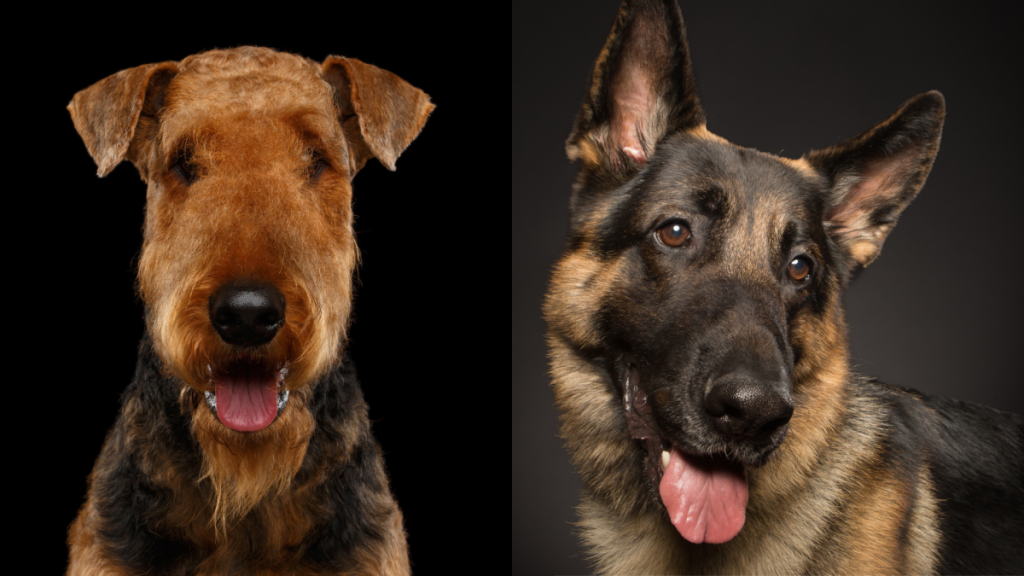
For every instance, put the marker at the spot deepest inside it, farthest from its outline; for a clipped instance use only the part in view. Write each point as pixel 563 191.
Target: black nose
pixel 247 313
pixel 743 406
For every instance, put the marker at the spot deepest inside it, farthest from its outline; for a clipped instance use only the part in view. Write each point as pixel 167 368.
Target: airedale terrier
pixel 243 444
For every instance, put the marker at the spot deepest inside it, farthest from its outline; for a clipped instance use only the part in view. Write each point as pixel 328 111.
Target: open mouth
pixel 248 396
pixel 705 495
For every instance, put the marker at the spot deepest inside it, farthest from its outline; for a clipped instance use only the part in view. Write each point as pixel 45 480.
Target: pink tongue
pixel 706 501
pixel 247 400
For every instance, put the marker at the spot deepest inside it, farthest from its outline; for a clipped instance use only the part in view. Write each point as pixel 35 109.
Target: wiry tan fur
pixel 259 466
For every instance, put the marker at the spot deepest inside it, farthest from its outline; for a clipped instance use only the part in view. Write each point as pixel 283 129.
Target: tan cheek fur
pixel 579 284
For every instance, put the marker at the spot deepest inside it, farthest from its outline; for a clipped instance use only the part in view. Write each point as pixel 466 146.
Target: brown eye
pixel 185 168
pixel 799 268
pixel 315 164
pixel 674 234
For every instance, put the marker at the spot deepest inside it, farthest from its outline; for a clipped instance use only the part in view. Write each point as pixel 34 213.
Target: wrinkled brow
pixel 314 128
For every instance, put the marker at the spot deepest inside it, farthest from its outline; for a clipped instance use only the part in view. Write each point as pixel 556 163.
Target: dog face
pixel 702 282
pixel 715 248
pixel 249 195
pixel 249 156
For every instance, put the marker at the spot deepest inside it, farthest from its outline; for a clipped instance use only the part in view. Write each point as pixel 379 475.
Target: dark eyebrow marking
pixel 787 239
pixel 712 201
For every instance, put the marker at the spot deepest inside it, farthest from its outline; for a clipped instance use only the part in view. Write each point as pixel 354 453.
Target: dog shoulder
pixel 975 461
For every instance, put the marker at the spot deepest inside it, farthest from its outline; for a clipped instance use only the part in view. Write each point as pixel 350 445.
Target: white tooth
pixel 664 459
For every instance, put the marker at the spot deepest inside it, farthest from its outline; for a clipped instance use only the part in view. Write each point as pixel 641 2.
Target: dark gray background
pixel 941 309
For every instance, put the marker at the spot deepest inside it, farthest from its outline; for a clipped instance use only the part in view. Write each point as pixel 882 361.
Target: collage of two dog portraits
pixel 764 264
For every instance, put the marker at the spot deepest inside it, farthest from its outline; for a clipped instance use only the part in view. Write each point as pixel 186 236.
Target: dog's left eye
pixel 185 168
pixel 799 268
pixel 315 164
pixel 674 234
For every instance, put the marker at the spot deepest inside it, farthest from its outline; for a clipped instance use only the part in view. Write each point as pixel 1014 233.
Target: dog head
pixel 249 155
pixel 702 282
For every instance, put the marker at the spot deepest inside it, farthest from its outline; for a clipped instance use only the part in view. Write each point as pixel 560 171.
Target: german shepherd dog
pixel 699 351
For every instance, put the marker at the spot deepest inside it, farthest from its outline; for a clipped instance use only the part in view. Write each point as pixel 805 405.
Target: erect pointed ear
pixel 642 90
pixel 106 113
pixel 875 175
pixel 380 113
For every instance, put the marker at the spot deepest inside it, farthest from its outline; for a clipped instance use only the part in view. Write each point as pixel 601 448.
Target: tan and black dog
pixel 243 444
pixel 699 350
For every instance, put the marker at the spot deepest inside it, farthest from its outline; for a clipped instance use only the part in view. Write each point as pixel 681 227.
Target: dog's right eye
pixel 799 268
pixel 185 169
pixel 315 166
pixel 674 234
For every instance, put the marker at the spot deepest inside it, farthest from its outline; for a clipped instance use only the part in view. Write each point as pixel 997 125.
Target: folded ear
pixel 106 113
pixel 380 113
pixel 874 175
pixel 642 90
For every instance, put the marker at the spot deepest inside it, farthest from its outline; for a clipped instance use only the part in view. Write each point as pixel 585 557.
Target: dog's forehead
pixel 687 167
pixel 253 82
pixel 746 195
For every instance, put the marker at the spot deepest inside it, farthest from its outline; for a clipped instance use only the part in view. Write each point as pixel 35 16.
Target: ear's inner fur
pixel 636 119
pixel 875 175
pixel 641 90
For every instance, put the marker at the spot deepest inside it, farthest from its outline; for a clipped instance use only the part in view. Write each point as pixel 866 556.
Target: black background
pixel 423 333
pixel 940 310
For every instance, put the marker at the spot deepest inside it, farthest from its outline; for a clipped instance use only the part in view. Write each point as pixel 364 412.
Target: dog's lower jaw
pixel 705 495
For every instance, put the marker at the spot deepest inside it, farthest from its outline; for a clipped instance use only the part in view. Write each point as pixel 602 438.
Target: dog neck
pixel 236 480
